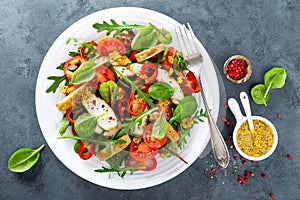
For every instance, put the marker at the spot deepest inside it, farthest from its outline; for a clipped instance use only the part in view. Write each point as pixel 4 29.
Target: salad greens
pixel 106 90
pixel 85 72
pixel 186 107
pixel 23 159
pixel 161 91
pixel 63 125
pixel 57 81
pixel 85 125
pixel 273 79
pixel 160 127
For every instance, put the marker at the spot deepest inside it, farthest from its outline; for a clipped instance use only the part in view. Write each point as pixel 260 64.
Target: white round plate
pixel 49 116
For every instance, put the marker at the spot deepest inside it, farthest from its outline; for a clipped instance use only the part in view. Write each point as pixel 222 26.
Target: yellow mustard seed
pixel 256 142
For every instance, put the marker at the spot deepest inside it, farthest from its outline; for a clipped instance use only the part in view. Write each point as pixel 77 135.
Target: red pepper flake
pixel 235 158
pixel 263 175
pixel 278 116
pixel 289 156
pixel 272 195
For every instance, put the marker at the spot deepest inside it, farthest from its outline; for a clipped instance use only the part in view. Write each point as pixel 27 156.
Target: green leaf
pixel 96 141
pixel 76 146
pixel 186 108
pixel 120 171
pixel 85 125
pixel 114 26
pixel 23 159
pixel 161 91
pixel 61 66
pixel 85 72
pixel 258 94
pixel 160 127
pixel 106 90
pixel 179 63
pixel 63 125
pixel 183 135
pixel 145 39
pixel 57 81
pixel 275 78
pixel 164 36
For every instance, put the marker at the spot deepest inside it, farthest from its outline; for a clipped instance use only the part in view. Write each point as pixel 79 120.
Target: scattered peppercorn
pixel 278 116
pixel 289 156
pixel 243 184
pixel 235 158
pixel 263 175
pixel 242 158
pixel 244 162
pixel 252 174
pixel 272 195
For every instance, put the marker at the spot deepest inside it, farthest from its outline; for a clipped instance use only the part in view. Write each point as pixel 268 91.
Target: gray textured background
pixel 267 32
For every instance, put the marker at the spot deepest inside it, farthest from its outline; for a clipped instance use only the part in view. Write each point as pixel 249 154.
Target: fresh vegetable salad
pixel 128 97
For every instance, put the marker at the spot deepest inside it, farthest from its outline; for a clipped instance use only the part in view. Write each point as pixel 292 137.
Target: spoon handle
pixel 245 101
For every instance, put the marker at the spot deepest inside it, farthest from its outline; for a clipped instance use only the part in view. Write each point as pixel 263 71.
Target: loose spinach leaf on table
pixel 258 93
pixel 23 159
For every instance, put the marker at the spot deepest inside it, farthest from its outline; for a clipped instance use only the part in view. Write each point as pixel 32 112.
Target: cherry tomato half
pixel 151 141
pixel 108 45
pixel 103 74
pixel 141 151
pixel 82 50
pixel 85 152
pixel 169 58
pixel 77 60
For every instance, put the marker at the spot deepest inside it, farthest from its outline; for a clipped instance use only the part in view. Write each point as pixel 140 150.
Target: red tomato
pixel 108 45
pixel 151 141
pixel 68 115
pixel 77 60
pixel 82 50
pixel 85 152
pixel 169 58
pixel 141 151
pixel 150 164
pixel 190 85
pixel 104 74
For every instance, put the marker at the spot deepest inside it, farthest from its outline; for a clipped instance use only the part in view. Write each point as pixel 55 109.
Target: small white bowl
pixel 240 119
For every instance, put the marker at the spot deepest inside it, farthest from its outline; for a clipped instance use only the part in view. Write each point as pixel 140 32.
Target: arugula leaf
pixel 140 93
pixel 179 63
pixel 108 142
pixel 57 81
pixel 199 115
pixel 183 135
pixel 61 66
pixel 129 127
pixel 114 26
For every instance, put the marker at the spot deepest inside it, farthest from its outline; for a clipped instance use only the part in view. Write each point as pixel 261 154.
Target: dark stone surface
pixel 267 32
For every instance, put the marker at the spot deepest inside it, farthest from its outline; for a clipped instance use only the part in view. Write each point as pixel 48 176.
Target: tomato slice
pixel 85 152
pixel 151 141
pixel 108 45
pixel 190 85
pixel 169 58
pixel 141 151
pixel 103 74
pixel 77 60
pixel 149 72
pixel 149 164
pixel 82 50
pixel 132 55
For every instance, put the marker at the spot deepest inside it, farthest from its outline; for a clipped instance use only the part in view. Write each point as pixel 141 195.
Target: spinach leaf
pixel 258 94
pixel 63 125
pixel 23 159
pixel 106 90
pixel 85 125
pixel 164 36
pixel 275 78
pixel 186 107
pixel 161 91
pixel 57 81
pixel 114 26
pixel 145 39
pixel 85 72
pixel 160 127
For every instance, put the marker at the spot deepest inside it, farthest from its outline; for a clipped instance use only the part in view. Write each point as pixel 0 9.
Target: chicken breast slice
pixel 163 76
pixel 129 70
pixel 96 106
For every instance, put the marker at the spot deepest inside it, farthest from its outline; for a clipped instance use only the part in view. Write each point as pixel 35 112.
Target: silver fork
pixel 194 61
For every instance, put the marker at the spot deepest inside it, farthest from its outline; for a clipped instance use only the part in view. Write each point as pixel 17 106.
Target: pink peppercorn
pixel 272 195
pixel 263 175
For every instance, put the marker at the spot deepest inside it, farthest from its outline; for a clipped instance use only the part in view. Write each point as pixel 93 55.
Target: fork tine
pixel 179 39
pixel 190 43
pixel 193 38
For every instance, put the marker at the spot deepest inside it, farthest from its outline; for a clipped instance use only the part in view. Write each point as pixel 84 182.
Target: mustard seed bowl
pixel 241 119
pixel 237 69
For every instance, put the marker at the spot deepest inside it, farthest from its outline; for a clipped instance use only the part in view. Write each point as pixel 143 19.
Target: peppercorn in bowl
pixel 237 69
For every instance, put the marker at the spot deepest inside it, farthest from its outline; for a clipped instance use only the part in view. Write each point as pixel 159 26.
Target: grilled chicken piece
pixel 129 70
pixel 163 76
pixel 96 106
pixel 117 59
pixel 69 100
pixel 144 55
pixel 108 133
pixel 104 154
